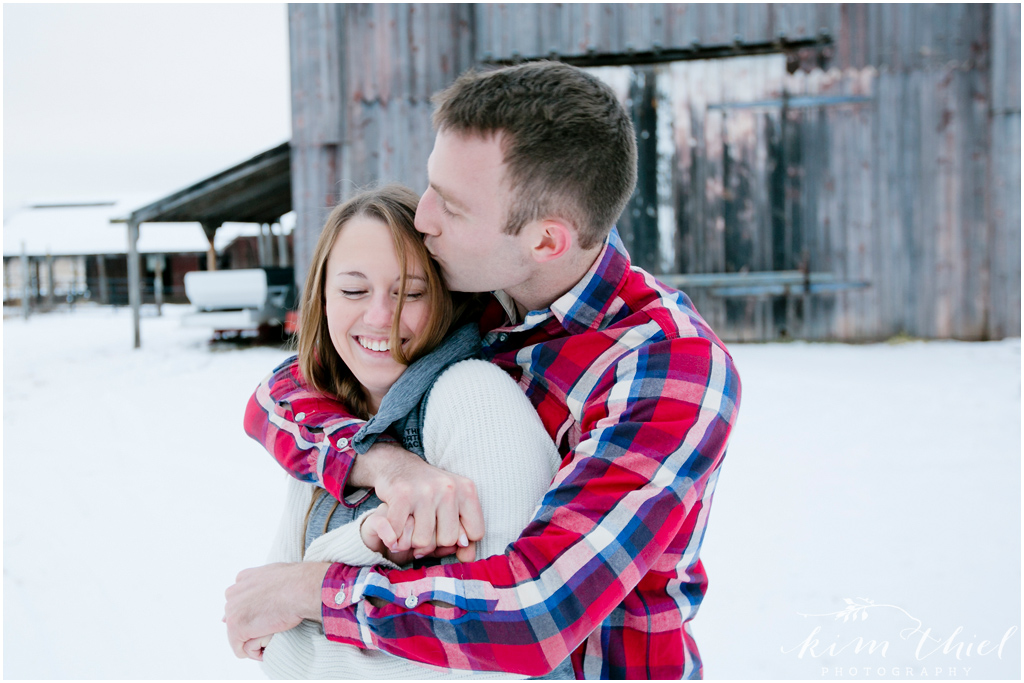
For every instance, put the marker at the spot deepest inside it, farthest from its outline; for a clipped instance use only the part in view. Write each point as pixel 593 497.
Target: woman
pixel 375 334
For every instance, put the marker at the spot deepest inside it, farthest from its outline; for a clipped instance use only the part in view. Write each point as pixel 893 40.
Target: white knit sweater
pixel 479 425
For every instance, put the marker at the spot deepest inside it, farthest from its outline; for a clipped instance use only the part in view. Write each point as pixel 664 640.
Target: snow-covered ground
pixel 888 473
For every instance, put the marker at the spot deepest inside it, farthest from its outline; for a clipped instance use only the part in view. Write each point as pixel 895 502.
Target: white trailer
pixel 240 301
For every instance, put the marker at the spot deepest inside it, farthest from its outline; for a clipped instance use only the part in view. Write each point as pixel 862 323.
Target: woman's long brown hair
pixel 322 367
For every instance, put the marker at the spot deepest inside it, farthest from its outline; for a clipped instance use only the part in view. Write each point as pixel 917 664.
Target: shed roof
pixel 258 190
pixel 84 228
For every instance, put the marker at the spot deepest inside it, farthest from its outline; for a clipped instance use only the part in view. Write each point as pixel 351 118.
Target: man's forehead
pixel 470 135
pixel 469 148
pixel 458 158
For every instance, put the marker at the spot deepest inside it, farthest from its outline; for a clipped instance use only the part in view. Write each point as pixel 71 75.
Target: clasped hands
pixel 426 512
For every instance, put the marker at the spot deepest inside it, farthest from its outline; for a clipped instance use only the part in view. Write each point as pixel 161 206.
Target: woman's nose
pixel 378 314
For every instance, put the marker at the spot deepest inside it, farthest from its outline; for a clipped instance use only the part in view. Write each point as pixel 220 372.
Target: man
pixel 531 166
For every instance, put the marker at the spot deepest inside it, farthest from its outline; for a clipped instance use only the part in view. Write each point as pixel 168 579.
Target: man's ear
pixel 553 240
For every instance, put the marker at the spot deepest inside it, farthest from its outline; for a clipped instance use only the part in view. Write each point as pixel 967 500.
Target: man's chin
pixel 457 286
pixel 454 283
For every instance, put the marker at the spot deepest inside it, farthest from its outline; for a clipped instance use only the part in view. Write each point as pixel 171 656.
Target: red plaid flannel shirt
pixel 640 396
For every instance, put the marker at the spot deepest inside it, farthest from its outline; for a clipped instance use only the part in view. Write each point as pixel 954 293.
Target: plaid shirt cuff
pixel 334 465
pixel 339 597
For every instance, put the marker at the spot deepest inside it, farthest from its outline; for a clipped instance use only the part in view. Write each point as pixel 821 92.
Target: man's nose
pixel 426 216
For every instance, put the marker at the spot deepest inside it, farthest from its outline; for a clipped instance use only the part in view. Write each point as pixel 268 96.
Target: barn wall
pixel 902 172
pixel 1004 179
pixel 527 31
pixel 362 77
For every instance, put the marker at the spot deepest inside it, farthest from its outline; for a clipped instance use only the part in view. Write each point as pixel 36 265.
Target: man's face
pixel 463 211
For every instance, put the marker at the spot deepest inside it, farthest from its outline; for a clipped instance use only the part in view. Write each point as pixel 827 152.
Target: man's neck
pixel 551 282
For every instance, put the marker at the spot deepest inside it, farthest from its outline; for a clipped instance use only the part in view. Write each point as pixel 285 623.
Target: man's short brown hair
pixel 569 144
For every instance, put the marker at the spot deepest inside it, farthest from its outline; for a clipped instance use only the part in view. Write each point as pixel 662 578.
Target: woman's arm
pixel 311 437
pixel 481 426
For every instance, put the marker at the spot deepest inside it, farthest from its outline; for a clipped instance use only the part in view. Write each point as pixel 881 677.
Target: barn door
pixel 733 161
pixel 753 172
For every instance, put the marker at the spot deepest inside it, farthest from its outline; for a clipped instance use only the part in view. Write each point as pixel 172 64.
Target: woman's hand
pixel 443 507
pixel 254 648
pixel 380 537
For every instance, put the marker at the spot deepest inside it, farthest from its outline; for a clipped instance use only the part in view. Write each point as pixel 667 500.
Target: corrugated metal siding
pixel 916 191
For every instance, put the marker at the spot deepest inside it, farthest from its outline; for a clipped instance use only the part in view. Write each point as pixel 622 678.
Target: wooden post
pixel 73 287
pixel 134 281
pixel 37 287
pixel 158 283
pixel 211 253
pixel 49 278
pixel 101 266
pixel 282 247
pixel 272 258
pixel 26 287
pixel 261 247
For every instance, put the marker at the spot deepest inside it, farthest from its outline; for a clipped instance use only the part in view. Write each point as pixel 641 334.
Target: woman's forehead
pixel 365 246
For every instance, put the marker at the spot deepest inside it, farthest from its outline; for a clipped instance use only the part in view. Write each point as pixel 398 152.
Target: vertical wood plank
pixel 1004 176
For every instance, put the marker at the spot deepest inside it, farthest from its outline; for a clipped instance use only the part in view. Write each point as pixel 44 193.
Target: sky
pixel 102 101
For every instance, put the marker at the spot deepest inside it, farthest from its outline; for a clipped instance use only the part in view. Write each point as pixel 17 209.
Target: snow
pixel 889 472
pixel 81 230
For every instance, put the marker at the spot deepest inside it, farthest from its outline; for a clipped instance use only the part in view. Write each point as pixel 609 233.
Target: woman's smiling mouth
pixel 379 345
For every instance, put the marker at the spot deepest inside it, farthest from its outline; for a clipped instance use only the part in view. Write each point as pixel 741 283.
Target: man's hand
pixel 270 599
pixel 445 512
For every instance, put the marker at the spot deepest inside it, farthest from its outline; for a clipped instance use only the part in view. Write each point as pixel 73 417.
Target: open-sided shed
pixel 257 191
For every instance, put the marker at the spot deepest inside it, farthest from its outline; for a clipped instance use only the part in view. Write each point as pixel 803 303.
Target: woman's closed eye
pixel 352 293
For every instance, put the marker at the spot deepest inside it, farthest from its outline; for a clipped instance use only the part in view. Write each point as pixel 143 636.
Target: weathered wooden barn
pixel 829 171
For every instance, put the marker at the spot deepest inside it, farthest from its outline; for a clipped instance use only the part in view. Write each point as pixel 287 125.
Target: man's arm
pixel 310 435
pixel 653 437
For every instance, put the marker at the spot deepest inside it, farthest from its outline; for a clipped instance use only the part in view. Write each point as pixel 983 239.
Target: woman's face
pixel 361 294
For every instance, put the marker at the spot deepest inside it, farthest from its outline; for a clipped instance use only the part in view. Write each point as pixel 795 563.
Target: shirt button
pixel 340 597
pixel 411 601
pixel 503 337
pixel 342 442
pixel 300 416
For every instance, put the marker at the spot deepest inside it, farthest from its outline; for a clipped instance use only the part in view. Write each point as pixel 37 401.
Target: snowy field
pixel 882 473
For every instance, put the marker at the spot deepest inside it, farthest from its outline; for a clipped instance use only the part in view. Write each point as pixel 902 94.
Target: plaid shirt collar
pixel 583 307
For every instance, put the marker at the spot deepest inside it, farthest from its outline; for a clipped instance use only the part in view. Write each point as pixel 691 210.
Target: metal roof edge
pixel 175 199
